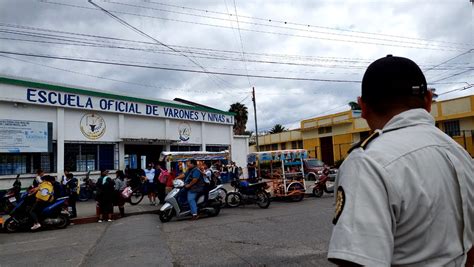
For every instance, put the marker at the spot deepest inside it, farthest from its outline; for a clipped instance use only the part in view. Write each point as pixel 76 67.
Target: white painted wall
pixel 73 132
pixel 240 150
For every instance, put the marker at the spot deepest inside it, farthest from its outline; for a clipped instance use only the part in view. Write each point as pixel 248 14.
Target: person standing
pixel 120 185
pixel 72 190
pixel 150 175
pixel 404 195
pixel 105 196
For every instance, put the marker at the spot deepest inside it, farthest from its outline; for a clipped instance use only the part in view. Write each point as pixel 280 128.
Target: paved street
pixel 294 234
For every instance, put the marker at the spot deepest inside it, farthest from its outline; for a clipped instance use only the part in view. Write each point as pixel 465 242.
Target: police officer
pixel 405 195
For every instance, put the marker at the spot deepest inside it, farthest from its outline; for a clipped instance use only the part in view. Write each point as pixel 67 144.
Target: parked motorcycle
pixel 247 193
pixel 88 189
pixel 10 198
pixel 323 184
pixel 173 207
pixel 54 215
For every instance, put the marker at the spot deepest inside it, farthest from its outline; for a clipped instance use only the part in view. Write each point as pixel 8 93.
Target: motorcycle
pixel 11 197
pixel 54 215
pixel 87 189
pixel 323 184
pixel 173 207
pixel 247 193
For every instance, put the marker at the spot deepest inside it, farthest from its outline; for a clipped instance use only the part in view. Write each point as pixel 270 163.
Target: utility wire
pixel 241 44
pixel 446 61
pixel 303 24
pixel 209 51
pixel 178 69
pixel 108 79
pixel 270 32
pixel 128 25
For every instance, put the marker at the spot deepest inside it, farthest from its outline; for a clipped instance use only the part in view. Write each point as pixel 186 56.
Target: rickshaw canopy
pixel 278 155
pixel 196 155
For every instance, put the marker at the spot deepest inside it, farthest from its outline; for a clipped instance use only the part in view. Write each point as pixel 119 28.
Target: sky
pixel 313 53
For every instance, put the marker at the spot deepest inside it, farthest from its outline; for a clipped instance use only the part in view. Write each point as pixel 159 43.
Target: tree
pixel 354 105
pixel 278 128
pixel 240 119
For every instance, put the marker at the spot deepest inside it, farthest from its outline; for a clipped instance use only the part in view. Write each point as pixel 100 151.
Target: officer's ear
pixel 428 100
pixel 363 107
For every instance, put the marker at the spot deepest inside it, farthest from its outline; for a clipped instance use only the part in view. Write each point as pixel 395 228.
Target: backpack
pixel 45 192
pixel 164 175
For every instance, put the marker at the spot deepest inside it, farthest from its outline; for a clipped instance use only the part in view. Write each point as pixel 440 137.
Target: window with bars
pixel 88 157
pixel 22 163
pixel 216 148
pixel 452 128
pixel 324 130
pixel 283 146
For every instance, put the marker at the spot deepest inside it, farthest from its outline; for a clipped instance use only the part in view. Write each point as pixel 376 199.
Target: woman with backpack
pixel 105 196
pixel 41 196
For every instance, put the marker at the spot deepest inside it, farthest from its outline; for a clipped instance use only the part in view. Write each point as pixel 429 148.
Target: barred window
pixel 452 128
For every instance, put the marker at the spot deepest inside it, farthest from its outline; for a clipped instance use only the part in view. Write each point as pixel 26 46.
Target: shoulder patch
pixel 340 202
pixel 364 143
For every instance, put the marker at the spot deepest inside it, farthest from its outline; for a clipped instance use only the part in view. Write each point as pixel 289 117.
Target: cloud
pixel 333 54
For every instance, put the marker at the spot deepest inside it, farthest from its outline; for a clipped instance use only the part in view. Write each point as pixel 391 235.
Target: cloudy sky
pixel 300 42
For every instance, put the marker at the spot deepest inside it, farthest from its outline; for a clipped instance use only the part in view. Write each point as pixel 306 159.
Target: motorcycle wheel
pixel 166 216
pixel 136 197
pixel 263 200
pixel 222 194
pixel 217 210
pixel 11 226
pixel 318 192
pixel 64 221
pixel 84 195
pixel 233 199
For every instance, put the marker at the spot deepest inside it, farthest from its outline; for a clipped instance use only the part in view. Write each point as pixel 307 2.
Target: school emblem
pixel 184 131
pixel 340 201
pixel 92 126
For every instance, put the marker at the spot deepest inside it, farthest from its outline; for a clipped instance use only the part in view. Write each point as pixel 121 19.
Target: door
pixel 327 153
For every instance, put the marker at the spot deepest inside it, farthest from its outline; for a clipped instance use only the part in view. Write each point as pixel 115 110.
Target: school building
pixel 330 137
pixel 56 127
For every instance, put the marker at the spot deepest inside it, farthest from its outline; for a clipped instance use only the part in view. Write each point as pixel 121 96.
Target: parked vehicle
pixel 313 168
pixel 323 184
pixel 285 169
pixel 87 189
pixel 173 207
pixel 10 198
pixel 54 215
pixel 246 193
pixel 177 160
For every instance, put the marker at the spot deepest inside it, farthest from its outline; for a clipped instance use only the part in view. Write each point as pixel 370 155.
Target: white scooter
pixel 172 207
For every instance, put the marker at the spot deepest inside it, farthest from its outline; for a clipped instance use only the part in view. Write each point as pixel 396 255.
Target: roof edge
pixel 68 89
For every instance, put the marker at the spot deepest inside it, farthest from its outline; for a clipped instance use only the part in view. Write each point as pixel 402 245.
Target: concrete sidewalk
pixel 86 211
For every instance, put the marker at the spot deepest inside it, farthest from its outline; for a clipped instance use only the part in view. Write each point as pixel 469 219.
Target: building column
pixel 60 141
pixel 121 145
pixel 121 156
pixel 203 136
pixel 231 140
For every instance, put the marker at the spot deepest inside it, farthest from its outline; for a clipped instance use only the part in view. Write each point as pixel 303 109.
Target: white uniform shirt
pixel 406 199
pixel 150 175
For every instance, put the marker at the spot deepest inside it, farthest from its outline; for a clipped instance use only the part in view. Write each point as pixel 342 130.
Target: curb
pixel 116 216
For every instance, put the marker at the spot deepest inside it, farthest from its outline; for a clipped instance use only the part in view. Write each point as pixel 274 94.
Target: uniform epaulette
pixel 364 143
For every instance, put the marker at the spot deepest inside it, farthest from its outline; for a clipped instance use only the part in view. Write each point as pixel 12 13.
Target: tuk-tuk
pixel 284 169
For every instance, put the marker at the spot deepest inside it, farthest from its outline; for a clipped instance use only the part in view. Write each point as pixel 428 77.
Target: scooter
pixel 11 197
pixel 88 189
pixel 323 184
pixel 173 207
pixel 54 215
pixel 247 193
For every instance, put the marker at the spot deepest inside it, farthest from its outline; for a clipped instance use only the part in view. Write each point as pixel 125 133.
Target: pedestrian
pixel 72 190
pixel 119 186
pixel 105 196
pixel 150 175
pixel 251 171
pixel 169 181
pixel 163 178
pixel 405 195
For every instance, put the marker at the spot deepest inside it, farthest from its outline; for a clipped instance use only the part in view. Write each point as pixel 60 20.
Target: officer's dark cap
pixel 393 77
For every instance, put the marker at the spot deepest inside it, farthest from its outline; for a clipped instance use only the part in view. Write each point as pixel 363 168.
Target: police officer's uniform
pixel 405 197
